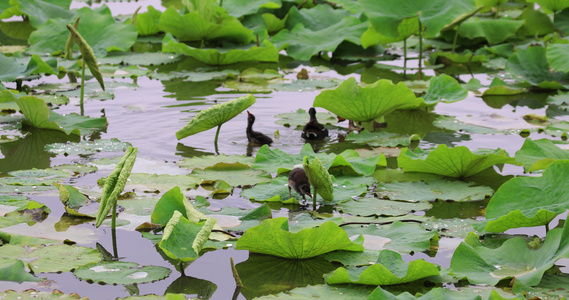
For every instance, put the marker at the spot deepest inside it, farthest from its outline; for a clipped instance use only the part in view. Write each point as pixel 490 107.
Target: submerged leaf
pixel 272 237
pixel 363 104
pixel 115 183
pixel 215 116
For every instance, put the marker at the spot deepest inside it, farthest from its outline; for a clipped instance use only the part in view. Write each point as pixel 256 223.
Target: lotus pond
pixel 126 170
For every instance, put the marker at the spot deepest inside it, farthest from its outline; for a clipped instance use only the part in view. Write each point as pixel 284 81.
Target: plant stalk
pixel 81 99
pixel 114 231
pixel 547 228
pixel 314 200
pixel 405 59
pixel 215 141
pixel 420 76
pixel 455 38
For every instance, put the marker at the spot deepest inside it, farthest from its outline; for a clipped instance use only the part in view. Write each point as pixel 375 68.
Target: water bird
pixel 313 130
pixel 298 181
pixel 255 136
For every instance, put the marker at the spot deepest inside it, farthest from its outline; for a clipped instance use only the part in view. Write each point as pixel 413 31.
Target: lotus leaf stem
pixel 215 141
pixel 419 76
pixel 114 231
pixel 82 95
pixel 314 199
pixel 547 228
pixel 405 58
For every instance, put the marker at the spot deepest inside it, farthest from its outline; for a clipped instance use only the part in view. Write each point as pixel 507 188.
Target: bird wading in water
pixel 313 130
pixel 255 136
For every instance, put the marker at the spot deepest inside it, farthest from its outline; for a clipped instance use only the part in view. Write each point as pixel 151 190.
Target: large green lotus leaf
pixel 402 237
pixel 353 102
pixel 173 201
pixel 552 5
pixel 160 182
pixel 433 190
pixel 442 293
pixel 54 258
pixel 12 69
pixel 182 239
pixel 298 119
pixel 98 28
pixel 39 11
pixel 267 53
pixel 457 162
pixel 200 162
pixel 147 23
pixel 539 154
pixel 38 115
pixel 324 291
pixel 494 31
pixel 316 18
pixel 119 272
pixel 319 178
pixel 452 123
pixel 278 161
pixel 265 274
pixel 302 43
pixel 377 207
pixel 115 183
pixel 194 26
pixel 88 147
pixel 528 201
pixel 531 65
pixel 537 23
pixel 239 8
pixel 557 57
pixel 272 237
pixel 215 116
pixel 434 15
pixel 236 174
pixel 350 162
pixel 444 88
pixel 406 28
pixel 13 270
pixel 481 264
pixel 549 287
pixel 389 269
pixel 378 139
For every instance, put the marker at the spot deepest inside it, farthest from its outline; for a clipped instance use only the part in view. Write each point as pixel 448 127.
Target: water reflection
pixel 28 153
pixel 188 285
pixel 265 274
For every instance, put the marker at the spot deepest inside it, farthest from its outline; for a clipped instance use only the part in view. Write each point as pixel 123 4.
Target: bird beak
pixel 309 195
pixel 248 113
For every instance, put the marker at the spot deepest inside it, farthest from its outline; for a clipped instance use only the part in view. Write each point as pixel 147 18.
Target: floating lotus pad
pixel 273 238
pixel 13 270
pixel 434 190
pixel 54 258
pixel 119 272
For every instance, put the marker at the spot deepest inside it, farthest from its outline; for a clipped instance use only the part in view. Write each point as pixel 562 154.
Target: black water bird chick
pixel 313 130
pixel 298 181
pixel 255 136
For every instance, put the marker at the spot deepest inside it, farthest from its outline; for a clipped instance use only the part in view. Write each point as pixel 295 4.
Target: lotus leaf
pixel 147 22
pixel 319 178
pixel 537 23
pixel 211 160
pixel 389 269
pixel 363 104
pixel 528 201
pixel 54 258
pixel 402 237
pixel 302 43
pixel 368 206
pixel 441 293
pixel 494 31
pixel 268 53
pixel 552 5
pixel 12 69
pixel 239 8
pixel 87 54
pixel 324 291
pixel 31 293
pixel 236 174
pixel 298 119
pixel 183 239
pixel 481 264
pixel 317 18
pixel 272 237
pixel 215 116
pixel 457 162
pixel 531 65
pixel 72 200
pixel 38 115
pixel 434 15
pixel 13 270
pixel 39 11
pixel 444 88
pixel 87 147
pixel 145 182
pixel 557 57
pixel 433 190
pixel 539 154
pixel 265 274
pixel 499 88
pixel 172 201
pixel 114 184
pixel 194 26
pixel 97 27
pixel 119 272
pixel 451 123
pixel 378 139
